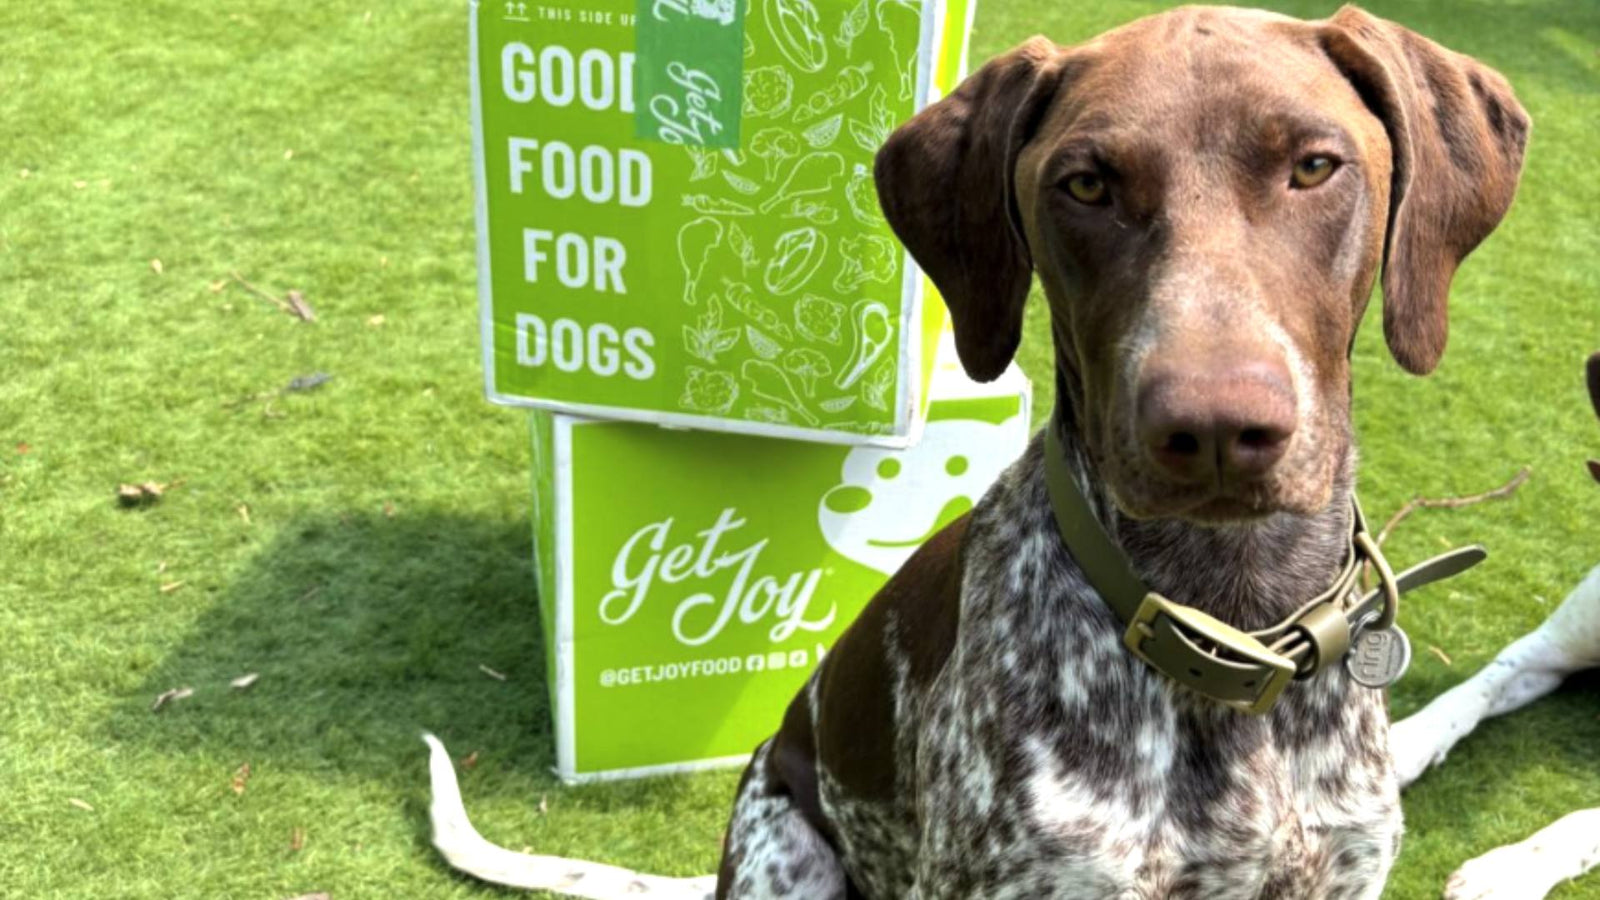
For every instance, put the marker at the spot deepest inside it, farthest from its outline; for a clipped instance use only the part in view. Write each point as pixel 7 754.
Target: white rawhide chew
pixel 1532 666
pixel 467 851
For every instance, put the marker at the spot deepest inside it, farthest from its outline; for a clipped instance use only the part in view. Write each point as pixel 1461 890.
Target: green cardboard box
pixel 677 221
pixel 690 580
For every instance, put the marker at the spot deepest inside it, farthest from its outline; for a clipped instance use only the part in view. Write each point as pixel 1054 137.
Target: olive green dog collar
pixel 1244 670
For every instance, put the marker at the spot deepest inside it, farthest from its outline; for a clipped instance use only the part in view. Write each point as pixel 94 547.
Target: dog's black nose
pixel 1232 419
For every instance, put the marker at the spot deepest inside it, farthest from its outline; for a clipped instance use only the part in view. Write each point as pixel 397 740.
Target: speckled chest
pixel 1045 761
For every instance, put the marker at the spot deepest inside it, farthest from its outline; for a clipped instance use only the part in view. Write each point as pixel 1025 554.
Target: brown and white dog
pixel 1527 669
pixel 1206 196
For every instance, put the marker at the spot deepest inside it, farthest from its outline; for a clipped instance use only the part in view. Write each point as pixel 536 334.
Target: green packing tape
pixel 688 72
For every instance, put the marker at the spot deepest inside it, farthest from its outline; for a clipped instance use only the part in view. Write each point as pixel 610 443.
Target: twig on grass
pixel 295 305
pixel 1416 503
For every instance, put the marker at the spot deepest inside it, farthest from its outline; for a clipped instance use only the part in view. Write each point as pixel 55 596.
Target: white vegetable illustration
pixel 774 146
pixel 703 160
pixel 867 258
pixel 708 391
pixel 876 391
pixel 796 257
pixel 808 366
pixel 816 213
pixel 862 195
pixel 768 382
pixel 825 132
pixel 769 414
pixel 849 82
pixel 873 332
pixel 716 206
pixel 794 26
pixel 740 297
pixel 909 22
pixel 837 404
pixel 871 134
pixel 696 240
pixel 742 245
pixel 740 183
pixel 706 337
pixel 819 319
pixel 764 347
pixel 768 91
pixel 851 26
pixel 813 174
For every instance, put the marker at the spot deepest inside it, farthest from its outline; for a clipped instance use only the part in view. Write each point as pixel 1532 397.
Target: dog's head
pixel 1207 196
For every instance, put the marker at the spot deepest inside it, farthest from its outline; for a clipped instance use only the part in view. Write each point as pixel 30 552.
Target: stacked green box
pixel 678 226
pixel 690 580
pixel 676 215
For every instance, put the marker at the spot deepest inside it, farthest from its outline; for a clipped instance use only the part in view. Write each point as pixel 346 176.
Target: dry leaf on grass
pixel 470 761
pixel 138 494
pixel 24 448
pixel 243 682
pixel 171 586
pixel 80 804
pixel 320 895
pixel 244 512
pixel 156 267
pixel 171 696
pixel 375 320
pixel 497 676
pixel 288 154
pixel 144 493
pixel 309 382
pixel 388 509
pixel 241 776
pixel 217 286
pixel 1443 656
pixel 544 805
pixel 298 304
pixel 297 839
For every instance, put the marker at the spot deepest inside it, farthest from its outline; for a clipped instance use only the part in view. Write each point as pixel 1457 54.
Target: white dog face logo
pixel 890 501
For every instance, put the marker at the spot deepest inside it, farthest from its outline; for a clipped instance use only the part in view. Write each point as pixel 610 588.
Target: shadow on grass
pixel 366 630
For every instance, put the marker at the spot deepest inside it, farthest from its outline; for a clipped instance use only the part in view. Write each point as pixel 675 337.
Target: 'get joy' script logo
pixel 646 558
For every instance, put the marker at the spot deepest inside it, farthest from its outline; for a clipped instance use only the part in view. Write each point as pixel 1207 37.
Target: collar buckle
pixel 1207 655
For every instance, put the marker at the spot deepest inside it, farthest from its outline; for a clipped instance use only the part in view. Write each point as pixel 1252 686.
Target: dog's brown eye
pixel 1087 188
pixel 1312 171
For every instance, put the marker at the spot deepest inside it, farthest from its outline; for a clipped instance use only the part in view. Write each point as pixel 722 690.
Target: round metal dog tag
pixel 1378 658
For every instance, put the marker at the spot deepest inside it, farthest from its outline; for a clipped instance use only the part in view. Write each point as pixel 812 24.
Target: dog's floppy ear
pixel 945 182
pixel 1458 135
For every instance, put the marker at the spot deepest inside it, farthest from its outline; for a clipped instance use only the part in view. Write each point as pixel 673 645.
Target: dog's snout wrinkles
pixel 1229 419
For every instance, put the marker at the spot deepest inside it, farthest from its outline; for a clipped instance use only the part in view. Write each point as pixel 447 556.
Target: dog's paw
pixel 1504 873
pixel 1416 744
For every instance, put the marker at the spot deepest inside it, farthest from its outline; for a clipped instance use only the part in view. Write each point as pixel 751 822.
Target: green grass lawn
pixel 365 546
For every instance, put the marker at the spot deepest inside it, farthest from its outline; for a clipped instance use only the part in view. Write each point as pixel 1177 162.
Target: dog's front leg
pixel 1532 666
pixel 772 852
